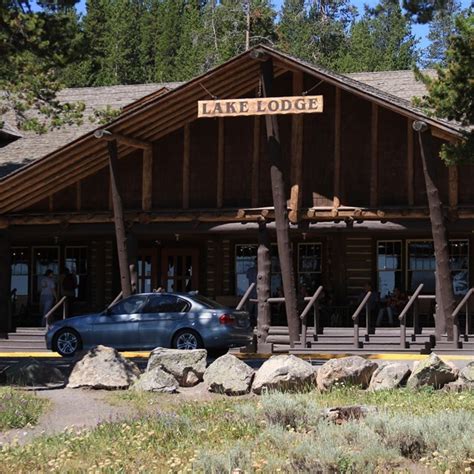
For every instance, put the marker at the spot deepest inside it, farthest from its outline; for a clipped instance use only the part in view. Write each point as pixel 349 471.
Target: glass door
pixel 146 270
pixel 44 258
pixel 180 269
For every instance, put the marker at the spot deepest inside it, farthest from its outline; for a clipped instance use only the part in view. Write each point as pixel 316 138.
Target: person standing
pixel 69 285
pixel 47 294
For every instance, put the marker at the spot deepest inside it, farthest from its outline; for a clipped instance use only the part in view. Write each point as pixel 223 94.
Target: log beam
pixel 147 179
pixel 296 196
pixel 337 150
pixel 410 163
pixel 186 164
pixel 119 221
pixel 255 161
pixel 280 206
pixel 220 162
pixel 125 139
pixel 374 162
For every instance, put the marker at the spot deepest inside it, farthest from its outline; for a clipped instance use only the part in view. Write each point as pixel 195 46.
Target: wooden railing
pixel 355 318
pixel 463 303
pixel 61 302
pixel 312 302
pixel 246 296
pixel 403 316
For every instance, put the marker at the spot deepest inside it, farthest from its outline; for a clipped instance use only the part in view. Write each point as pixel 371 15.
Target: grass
pixel 19 409
pixel 424 430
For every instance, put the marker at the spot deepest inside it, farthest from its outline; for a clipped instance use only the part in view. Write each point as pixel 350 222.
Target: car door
pixel 160 317
pixel 118 326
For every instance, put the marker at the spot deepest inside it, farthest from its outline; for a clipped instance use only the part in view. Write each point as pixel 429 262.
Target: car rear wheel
pixel 187 339
pixel 67 342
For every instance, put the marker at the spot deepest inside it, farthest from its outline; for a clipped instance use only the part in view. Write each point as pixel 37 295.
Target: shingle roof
pixel 33 146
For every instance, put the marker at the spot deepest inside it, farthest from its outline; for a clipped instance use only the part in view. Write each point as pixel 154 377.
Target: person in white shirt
pixel 47 294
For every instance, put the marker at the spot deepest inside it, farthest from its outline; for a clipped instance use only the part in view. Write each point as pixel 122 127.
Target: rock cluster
pixel 169 369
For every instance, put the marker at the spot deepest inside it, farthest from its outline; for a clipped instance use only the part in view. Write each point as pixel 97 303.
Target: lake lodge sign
pixel 261 106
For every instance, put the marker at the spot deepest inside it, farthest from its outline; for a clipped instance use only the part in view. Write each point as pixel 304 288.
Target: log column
pixel 119 220
pixel 281 211
pixel 374 157
pixel 337 151
pixel 263 288
pixel 5 281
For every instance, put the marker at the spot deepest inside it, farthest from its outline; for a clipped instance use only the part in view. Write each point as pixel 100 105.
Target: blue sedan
pixel 149 320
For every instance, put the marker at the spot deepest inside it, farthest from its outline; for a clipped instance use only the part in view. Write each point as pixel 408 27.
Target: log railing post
pixel 464 303
pixel 245 297
pixel 304 315
pixel 355 317
pixel 403 315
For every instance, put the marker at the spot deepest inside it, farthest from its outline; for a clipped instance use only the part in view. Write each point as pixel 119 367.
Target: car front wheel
pixel 187 340
pixel 67 342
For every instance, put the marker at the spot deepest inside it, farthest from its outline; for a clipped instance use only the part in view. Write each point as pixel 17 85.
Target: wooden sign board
pixel 309 104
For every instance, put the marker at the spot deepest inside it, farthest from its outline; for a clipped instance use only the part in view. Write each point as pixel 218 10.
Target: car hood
pixel 82 320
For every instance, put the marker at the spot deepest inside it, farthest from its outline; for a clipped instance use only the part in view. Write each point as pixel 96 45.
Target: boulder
pixel 229 375
pixel 353 370
pixel 283 372
pixel 389 376
pixel 467 373
pixel 431 372
pixel 186 366
pixel 33 373
pixel 156 380
pixel 103 368
pixel 459 385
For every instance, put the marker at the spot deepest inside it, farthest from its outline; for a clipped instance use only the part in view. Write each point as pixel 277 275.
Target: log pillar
pixel 281 210
pixel 119 221
pixel 263 288
pixel 5 282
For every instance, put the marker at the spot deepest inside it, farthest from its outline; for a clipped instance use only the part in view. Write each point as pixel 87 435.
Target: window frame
pixel 401 270
pixel 87 274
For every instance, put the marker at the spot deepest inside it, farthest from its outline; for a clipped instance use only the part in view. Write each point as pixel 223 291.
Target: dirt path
pixel 70 408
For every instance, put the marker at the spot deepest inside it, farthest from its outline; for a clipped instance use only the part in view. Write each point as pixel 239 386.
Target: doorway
pixel 179 269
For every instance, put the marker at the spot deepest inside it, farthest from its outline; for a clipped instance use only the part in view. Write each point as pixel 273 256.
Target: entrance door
pixel 179 269
pixel 146 270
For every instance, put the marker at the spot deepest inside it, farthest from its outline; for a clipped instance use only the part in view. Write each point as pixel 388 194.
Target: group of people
pixel 49 291
pixel 389 307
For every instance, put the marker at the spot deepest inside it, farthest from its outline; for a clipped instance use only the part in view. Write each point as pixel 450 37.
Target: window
pixel 44 258
pixel 144 273
pixel 389 266
pixel 208 303
pixel 130 305
pixel 166 304
pixel 246 268
pixel 76 263
pixel 309 266
pixel 421 265
pixel 20 270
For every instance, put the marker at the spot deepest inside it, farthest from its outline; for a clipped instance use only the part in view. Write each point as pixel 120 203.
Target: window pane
pixel 245 267
pixel 129 305
pixel 166 304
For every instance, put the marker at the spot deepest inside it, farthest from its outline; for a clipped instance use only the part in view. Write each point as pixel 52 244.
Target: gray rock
pixel 229 375
pixel 459 385
pixel 431 372
pixel 389 376
pixel 33 373
pixel 353 370
pixel 156 380
pixel 283 372
pixel 187 367
pixel 467 373
pixel 103 368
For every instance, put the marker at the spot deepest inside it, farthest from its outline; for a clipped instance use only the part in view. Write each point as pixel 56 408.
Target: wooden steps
pixel 27 339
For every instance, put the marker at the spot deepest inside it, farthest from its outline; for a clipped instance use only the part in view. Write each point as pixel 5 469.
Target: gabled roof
pixel 161 113
pixel 32 146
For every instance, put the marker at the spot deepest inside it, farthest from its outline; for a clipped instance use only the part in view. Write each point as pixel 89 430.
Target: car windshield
pixel 208 303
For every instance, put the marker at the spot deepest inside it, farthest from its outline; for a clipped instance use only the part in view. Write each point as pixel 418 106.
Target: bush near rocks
pixel 229 375
pixel 284 372
pixel 353 370
pixel 103 368
pixel 186 366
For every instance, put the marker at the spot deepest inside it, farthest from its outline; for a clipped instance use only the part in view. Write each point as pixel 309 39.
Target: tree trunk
pixel 263 284
pixel 119 221
pixel 444 288
pixel 281 210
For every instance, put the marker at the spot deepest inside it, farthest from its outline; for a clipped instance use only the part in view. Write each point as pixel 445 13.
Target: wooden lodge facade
pixel 194 190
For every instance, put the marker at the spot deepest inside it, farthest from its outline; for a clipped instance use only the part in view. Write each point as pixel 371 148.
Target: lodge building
pixel 194 193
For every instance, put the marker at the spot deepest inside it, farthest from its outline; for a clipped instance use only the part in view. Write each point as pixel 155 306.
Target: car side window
pixel 166 304
pixel 129 305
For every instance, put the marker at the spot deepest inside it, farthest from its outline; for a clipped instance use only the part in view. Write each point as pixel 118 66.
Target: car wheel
pixel 187 339
pixel 67 342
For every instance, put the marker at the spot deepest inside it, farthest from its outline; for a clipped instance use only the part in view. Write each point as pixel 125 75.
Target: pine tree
pixel 380 41
pixel 440 29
